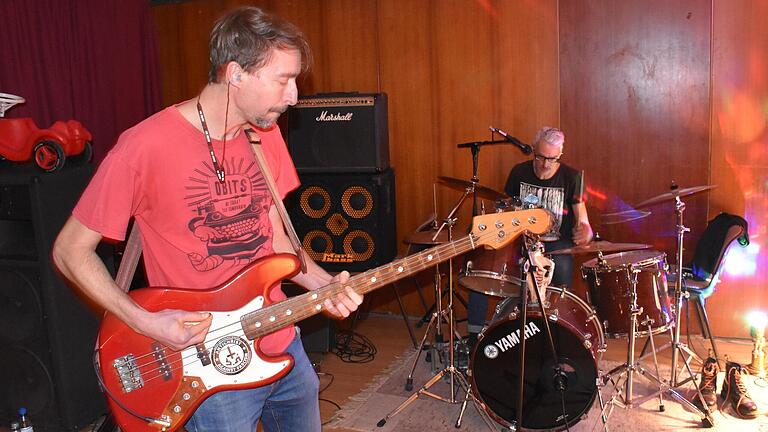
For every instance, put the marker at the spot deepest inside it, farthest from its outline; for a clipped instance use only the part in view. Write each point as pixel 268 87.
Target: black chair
pixel 702 275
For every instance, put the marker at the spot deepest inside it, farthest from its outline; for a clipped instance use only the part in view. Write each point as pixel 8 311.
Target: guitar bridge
pixel 129 374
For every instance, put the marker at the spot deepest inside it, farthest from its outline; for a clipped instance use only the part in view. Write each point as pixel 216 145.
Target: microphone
pixel 525 148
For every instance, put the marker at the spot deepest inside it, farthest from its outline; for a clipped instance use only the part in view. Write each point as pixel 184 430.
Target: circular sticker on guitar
pixel 231 355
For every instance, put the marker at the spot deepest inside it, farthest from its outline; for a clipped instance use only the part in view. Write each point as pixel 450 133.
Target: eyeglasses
pixel 542 158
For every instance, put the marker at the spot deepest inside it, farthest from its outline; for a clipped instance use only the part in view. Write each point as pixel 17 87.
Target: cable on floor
pixel 352 347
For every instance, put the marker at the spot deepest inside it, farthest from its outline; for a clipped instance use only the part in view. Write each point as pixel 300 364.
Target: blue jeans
pixel 289 404
pixel 563 275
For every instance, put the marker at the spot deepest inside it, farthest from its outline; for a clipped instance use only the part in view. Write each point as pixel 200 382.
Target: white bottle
pixel 24 422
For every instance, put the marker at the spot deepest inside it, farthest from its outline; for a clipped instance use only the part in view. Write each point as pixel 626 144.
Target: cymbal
pixel 675 193
pixel 425 237
pixel 600 246
pixel 623 216
pixel 462 185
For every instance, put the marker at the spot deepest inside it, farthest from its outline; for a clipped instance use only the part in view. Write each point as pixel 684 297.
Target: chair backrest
pixel 720 233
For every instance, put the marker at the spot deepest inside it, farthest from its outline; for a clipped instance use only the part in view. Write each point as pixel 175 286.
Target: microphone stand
pixel 559 377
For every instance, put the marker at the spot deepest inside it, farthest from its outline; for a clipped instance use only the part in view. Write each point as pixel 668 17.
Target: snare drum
pixel 494 372
pixel 610 280
pixel 498 272
pixel 494 272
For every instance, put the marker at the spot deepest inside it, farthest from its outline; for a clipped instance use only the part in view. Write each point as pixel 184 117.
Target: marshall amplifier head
pixel 339 133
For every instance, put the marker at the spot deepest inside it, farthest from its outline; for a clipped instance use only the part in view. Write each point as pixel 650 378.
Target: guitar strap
pixel 255 141
pixel 130 259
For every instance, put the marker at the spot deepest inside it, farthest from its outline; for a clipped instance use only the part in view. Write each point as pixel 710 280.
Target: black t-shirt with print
pixel 557 194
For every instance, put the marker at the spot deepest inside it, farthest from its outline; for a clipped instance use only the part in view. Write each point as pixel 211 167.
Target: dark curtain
pixel 90 60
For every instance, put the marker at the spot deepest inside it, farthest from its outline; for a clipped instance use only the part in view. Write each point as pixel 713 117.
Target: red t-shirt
pixel 196 232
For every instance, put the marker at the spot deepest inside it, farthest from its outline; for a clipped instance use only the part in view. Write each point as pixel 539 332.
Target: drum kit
pixel 565 334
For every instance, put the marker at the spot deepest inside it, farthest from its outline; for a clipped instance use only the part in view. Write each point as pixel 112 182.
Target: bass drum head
pixel 495 370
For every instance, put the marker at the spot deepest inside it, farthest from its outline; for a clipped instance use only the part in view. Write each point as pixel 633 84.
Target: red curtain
pixel 90 60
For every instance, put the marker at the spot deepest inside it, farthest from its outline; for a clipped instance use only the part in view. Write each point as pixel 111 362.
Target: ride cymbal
pixel 462 185
pixel 600 246
pixel 671 195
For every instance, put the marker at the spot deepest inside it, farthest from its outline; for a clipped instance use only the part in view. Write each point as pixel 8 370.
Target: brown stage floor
pixel 389 335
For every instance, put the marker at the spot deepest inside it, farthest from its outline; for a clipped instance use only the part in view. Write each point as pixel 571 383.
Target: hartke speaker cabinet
pixel 339 133
pixel 346 221
pixel 46 332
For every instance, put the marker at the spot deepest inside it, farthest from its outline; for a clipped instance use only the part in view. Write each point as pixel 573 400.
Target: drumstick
pixel 434 202
pixel 581 186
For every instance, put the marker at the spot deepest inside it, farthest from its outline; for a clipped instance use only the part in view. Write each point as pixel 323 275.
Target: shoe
pixel 708 383
pixel 735 391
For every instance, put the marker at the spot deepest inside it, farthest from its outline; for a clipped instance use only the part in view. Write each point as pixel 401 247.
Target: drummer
pixel 556 187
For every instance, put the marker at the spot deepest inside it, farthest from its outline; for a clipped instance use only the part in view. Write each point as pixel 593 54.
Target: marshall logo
pixel 324 116
pixel 336 258
pixel 509 341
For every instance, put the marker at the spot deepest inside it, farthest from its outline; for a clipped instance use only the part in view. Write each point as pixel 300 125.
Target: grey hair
pixel 247 36
pixel 550 135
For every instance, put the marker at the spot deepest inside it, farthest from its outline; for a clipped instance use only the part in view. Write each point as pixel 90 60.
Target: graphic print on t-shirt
pixel 552 199
pixel 231 217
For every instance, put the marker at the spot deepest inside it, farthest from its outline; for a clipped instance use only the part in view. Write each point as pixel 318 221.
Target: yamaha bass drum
pixel 494 366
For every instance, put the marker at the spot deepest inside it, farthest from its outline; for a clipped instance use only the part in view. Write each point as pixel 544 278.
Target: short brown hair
pixel 247 36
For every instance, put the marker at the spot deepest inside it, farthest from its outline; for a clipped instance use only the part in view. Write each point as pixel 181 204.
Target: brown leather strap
pixel 255 141
pixel 130 259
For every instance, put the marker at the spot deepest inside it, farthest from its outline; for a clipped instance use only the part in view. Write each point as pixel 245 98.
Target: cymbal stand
pixel 632 365
pixel 678 346
pixel 441 313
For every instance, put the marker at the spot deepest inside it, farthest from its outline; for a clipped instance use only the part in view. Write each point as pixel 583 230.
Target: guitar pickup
pixel 162 363
pixel 128 372
pixel 203 354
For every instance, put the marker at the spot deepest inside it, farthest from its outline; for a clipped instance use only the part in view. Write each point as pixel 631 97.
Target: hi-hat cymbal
pixel 462 185
pixel 600 246
pixel 425 237
pixel 671 195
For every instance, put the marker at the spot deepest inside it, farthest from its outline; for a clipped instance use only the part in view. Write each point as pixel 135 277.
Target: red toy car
pixel 21 139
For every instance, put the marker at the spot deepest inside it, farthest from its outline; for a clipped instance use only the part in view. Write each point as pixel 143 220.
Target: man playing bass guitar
pixel 187 176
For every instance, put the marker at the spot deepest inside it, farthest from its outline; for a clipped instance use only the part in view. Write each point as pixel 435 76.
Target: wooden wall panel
pixel 634 80
pixel 740 156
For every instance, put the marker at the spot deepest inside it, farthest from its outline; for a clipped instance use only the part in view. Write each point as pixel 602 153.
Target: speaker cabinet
pixel 46 331
pixel 346 221
pixel 339 133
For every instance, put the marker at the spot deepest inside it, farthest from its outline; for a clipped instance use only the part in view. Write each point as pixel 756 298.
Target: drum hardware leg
pixel 634 312
pixel 456 377
pixel 603 405
pixel 432 349
pixel 648 323
pixel 478 405
pixel 707 420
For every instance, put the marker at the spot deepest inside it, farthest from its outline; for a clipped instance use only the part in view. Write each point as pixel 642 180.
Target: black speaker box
pixel 346 221
pixel 339 133
pixel 46 331
pixel 317 332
